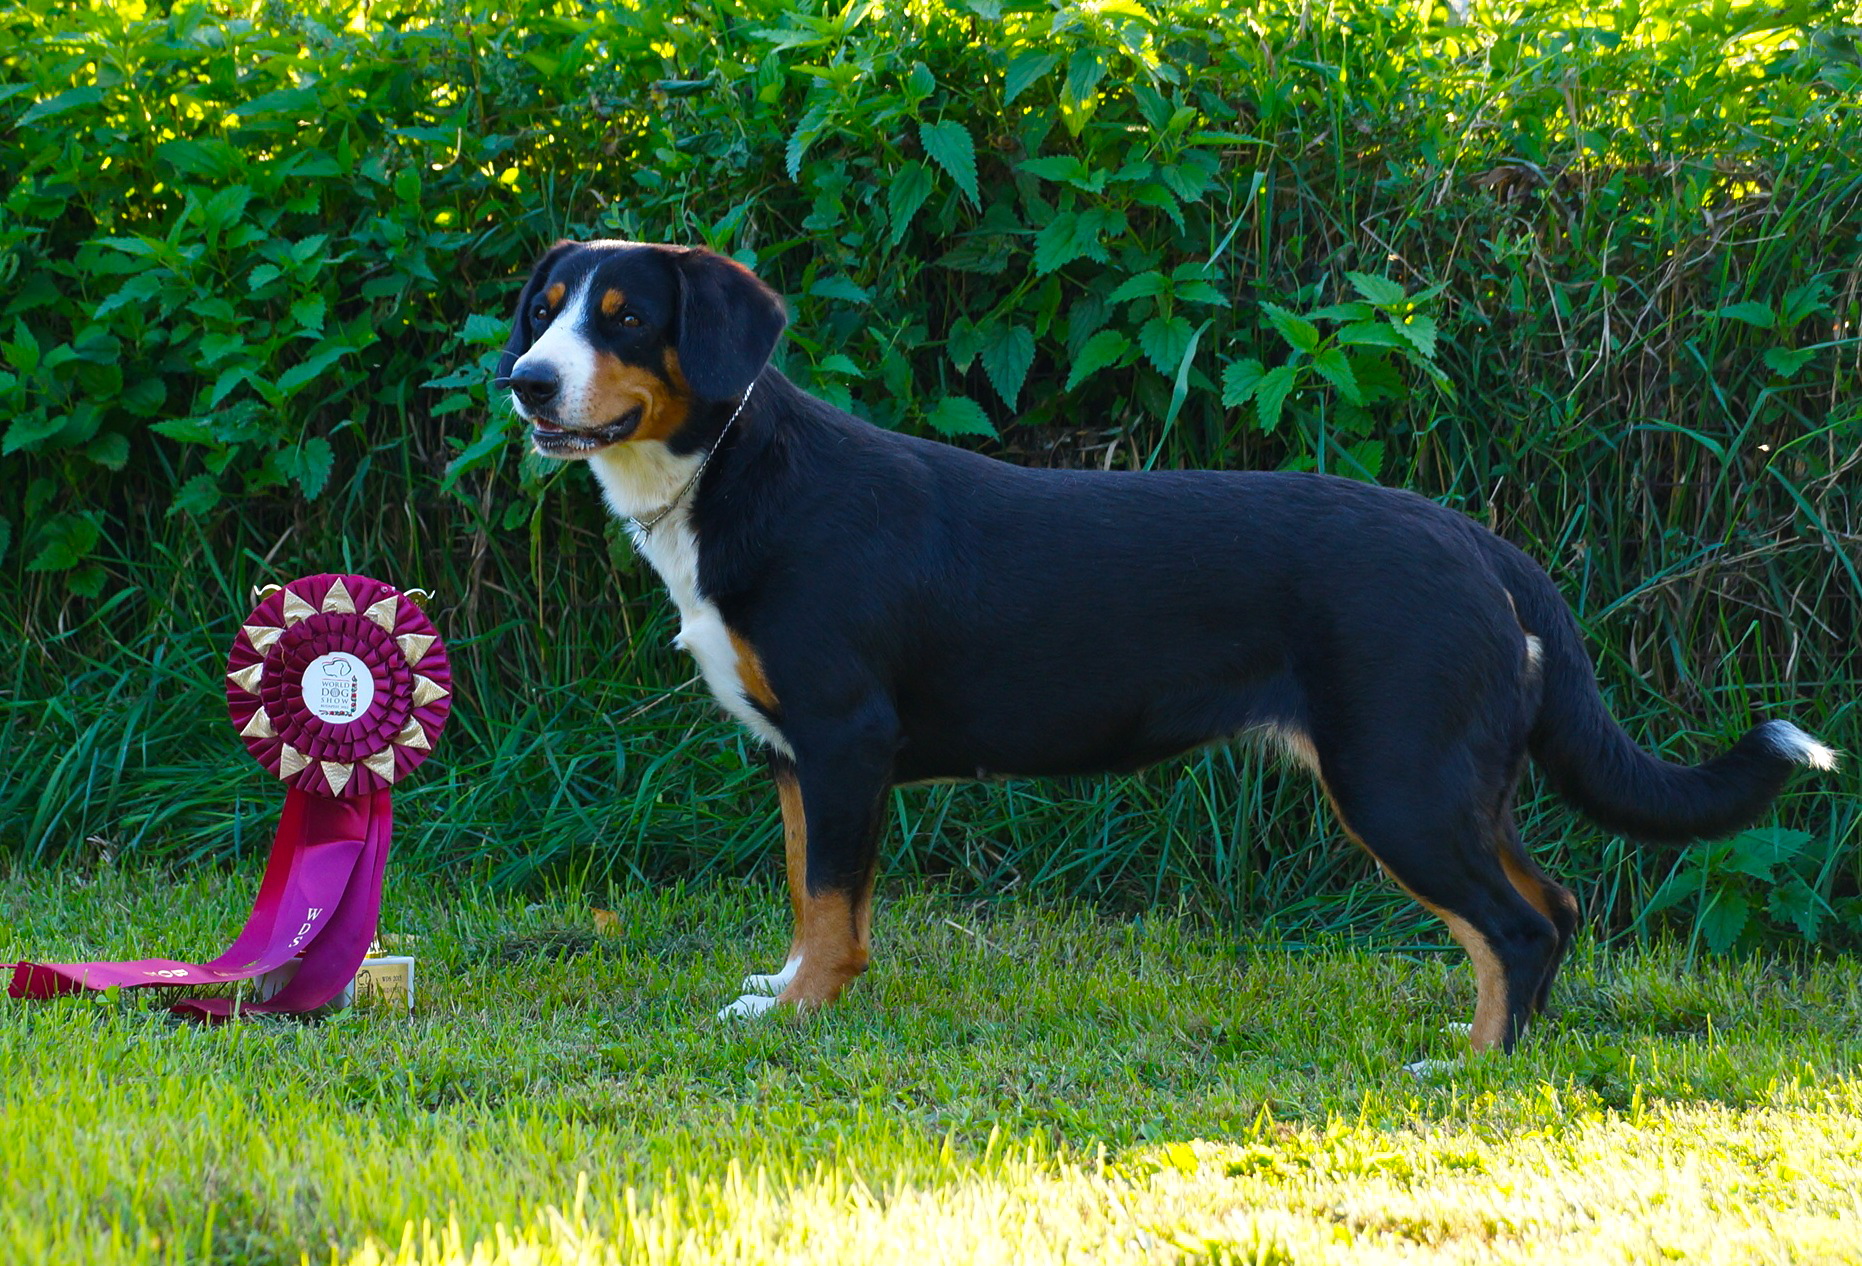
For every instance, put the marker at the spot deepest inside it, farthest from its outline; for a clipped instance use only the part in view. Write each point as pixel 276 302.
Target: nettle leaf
pixel 1108 347
pixel 223 385
pixel 1072 235
pixel 1024 72
pixel 1373 334
pixel 1270 394
pixel 1164 340
pixel 1786 361
pixel 139 289
pixel 1007 356
pixel 1060 168
pixel 68 538
pixel 30 428
pixel 1239 380
pixel 110 449
pixel 1155 195
pixel 296 376
pixel 1723 920
pixel 70 99
pixel 187 430
pixel 1302 335
pixel 1084 71
pixel 911 185
pixel 308 313
pixel 1381 291
pixel 960 415
pixel 1678 887
pixel 949 144
pixel 1752 312
pixel 1200 292
pixel 1755 852
pixel 1420 331
pixel 1146 285
pixel 86 581
pixel 1188 181
pixel 813 120
pixel 839 287
pixel 197 496
pixel 963 343
pixel 1367 456
pixel 1058 243
pixel 1796 903
pixel 315 460
pixel 1335 367
pixel 480 328
pixel 1350 311
pixel 482 451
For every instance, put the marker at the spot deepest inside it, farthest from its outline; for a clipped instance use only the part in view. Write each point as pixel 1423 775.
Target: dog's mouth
pixel 554 440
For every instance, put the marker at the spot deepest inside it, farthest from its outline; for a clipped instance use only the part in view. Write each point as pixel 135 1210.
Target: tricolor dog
pixel 882 610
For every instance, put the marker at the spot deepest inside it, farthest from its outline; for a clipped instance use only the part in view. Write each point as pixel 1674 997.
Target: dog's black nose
pixel 535 385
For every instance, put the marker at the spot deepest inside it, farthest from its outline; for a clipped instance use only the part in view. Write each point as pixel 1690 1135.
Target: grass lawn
pixel 1009 1083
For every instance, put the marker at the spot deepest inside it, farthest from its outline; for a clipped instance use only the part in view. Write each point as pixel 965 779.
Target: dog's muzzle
pixel 534 389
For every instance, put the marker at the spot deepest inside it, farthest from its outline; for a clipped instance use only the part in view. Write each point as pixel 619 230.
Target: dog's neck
pixel 647 483
pixel 642 479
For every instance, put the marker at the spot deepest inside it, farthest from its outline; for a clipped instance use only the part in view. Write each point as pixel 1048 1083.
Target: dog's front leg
pixel 795 854
pixel 832 800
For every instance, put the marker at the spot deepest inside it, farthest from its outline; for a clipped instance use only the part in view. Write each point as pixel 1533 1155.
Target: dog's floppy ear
pixel 729 322
pixel 520 323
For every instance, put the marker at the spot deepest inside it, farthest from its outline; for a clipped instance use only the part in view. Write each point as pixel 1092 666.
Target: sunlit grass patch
pixel 1011 1082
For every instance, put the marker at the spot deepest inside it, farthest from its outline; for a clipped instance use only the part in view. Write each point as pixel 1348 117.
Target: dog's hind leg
pixel 795 855
pixel 1427 829
pixel 1549 897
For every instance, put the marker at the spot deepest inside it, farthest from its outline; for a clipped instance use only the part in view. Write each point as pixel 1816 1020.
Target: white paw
pixel 1430 1069
pixel 775 983
pixel 747 1006
pixel 1458 1029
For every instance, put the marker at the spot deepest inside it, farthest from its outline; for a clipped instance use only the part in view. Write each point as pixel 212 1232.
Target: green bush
pixel 1591 276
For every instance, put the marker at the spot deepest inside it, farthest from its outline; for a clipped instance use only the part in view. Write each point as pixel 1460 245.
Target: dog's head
pixel 619 342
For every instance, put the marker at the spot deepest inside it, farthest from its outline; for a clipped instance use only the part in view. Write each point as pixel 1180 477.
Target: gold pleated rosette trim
pixel 339 684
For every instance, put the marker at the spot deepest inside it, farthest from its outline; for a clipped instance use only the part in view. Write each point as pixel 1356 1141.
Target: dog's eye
pixel 540 314
pixel 630 320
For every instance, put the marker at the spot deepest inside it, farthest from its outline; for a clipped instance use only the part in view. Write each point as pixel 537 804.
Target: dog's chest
pixel 672 548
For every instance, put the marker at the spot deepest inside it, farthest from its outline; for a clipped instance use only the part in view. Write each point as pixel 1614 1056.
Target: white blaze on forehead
pixel 564 350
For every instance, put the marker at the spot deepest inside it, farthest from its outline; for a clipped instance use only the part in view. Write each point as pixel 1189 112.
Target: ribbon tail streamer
pixel 313 864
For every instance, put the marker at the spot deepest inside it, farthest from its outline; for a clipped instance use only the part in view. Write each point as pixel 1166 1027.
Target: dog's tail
pixel 1595 765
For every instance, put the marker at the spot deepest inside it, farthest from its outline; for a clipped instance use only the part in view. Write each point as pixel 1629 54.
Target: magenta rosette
pixel 338 684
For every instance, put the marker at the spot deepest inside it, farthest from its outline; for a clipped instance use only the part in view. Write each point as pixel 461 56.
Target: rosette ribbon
pixel 339 685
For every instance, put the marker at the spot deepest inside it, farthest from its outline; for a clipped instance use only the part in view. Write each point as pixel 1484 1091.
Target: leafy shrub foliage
pixel 1591 275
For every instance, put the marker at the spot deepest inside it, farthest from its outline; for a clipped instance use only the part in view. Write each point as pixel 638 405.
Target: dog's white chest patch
pixel 672 548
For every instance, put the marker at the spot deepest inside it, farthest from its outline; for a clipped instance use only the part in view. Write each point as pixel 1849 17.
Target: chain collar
pixel 644 527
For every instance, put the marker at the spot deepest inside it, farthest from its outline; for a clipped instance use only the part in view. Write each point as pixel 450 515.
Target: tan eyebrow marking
pixel 555 293
pixel 611 302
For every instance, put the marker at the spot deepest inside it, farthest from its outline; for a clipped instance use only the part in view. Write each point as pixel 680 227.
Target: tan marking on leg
pixel 554 294
pixel 1530 886
pixel 612 301
pixel 795 852
pixel 1548 897
pixel 750 673
pixel 832 949
pixel 1490 1000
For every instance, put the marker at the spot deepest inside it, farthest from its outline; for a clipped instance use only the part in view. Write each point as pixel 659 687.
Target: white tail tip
pixel 1795 745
